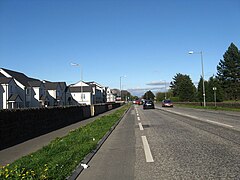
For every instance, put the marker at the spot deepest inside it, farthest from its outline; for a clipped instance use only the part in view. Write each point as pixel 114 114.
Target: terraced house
pixel 20 91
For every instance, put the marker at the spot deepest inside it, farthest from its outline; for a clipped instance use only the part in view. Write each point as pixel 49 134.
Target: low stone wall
pixel 19 125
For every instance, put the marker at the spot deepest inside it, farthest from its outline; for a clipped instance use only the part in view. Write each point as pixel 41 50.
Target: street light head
pixel 190 52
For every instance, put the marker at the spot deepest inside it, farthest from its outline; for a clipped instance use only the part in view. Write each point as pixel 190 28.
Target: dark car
pixel 148 104
pixel 167 103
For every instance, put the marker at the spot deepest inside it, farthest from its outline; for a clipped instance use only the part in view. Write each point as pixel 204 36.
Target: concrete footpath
pixel 13 153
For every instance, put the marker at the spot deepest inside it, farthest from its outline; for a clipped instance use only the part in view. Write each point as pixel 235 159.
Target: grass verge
pixel 58 159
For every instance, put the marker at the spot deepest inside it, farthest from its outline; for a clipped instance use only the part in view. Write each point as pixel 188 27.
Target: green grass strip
pixel 58 159
pixel 209 107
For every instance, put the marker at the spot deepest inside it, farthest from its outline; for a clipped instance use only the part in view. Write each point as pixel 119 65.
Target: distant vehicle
pixel 148 104
pixel 139 102
pixel 167 103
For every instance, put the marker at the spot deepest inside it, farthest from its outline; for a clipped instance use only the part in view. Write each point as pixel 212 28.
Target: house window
pixel 58 93
pixel 28 91
pixel 82 96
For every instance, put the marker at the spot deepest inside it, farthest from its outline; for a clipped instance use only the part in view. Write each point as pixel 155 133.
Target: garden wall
pixel 19 125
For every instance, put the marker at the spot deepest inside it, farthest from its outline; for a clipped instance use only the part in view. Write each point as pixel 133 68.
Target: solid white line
pixel 140 126
pixel 221 124
pixel 202 119
pixel 138 118
pixel 147 150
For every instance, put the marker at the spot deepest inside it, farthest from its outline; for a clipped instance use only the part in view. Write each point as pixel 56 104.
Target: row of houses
pixel 20 91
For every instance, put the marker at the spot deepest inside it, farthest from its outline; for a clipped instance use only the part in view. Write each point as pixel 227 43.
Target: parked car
pixel 148 104
pixel 167 103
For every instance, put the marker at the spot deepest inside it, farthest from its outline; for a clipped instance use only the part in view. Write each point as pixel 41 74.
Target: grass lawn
pixel 209 107
pixel 58 159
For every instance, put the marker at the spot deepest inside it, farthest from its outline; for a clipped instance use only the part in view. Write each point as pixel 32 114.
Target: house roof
pixel 22 78
pixel 35 83
pixel 63 86
pixel 78 89
pixel 5 80
pixel 14 98
pixel 44 98
pixel 1 75
pixel 93 83
pixel 51 85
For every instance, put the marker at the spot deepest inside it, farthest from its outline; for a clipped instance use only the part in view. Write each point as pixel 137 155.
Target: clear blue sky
pixel 146 40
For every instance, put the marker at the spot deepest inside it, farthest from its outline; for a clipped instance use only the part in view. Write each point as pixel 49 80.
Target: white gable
pixel 80 83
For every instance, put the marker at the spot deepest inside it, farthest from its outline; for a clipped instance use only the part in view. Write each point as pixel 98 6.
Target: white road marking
pixel 221 124
pixel 147 150
pixel 202 119
pixel 138 118
pixel 140 126
pixel 137 114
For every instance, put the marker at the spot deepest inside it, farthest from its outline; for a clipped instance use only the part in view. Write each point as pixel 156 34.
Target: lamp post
pixel 215 96
pixel 165 89
pixel 121 86
pixel 78 65
pixel 204 95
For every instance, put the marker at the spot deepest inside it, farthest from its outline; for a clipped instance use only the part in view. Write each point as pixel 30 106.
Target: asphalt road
pixel 170 143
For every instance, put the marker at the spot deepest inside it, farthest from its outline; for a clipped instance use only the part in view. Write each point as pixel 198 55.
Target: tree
pixel 183 87
pixel 200 90
pixel 175 84
pixel 149 95
pixel 228 73
pixel 125 95
pixel 214 82
pixel 160 96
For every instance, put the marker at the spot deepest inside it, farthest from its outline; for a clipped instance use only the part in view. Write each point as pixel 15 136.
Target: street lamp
pixel 215 96
pixel 165 89
pixel 204 95
pixel 78 65
pixel 121 86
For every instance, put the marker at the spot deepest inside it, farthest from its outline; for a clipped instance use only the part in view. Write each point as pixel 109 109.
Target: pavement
pixel 13 153
pixel 116 157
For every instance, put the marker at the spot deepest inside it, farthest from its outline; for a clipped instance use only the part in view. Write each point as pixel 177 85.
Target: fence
pixel 19 125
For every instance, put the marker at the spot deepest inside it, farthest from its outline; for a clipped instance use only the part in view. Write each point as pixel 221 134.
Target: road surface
pixel 170 143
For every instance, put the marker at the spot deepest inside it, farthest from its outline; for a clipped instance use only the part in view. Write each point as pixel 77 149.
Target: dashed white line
pixel 140 126
pixel 138 118
pixel 147 150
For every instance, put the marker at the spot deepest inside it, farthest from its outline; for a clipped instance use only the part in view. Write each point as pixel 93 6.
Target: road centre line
pixel 138 118
pixel 147 150
pixel 140 126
